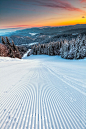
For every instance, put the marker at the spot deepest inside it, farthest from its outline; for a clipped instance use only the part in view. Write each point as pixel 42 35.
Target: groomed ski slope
pixel 42 92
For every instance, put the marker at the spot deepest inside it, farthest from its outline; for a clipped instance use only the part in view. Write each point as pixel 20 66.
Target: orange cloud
pixel 83 1
pixel 20 26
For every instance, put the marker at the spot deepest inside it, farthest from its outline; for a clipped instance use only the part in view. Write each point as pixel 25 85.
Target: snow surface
pixel 25 55
pixel 30 44
pixel 33 34
pixel 42 92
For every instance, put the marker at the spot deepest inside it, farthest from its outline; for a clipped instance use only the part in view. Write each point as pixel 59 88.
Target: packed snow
pixel 42 92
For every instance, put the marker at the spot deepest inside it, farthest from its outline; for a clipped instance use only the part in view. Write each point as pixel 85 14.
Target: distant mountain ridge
pixel 45 34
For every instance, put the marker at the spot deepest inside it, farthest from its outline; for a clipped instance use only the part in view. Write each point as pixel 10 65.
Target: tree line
pixel 68 49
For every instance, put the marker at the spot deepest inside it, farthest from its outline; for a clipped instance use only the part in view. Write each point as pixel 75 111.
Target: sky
pixel 17 14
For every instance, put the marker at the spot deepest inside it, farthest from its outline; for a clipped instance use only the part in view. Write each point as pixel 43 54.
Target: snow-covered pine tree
pixel 16 51
pixel 3 41
pixel 65 54
pixel 76 54
pixel 71 49
pixel 48 49
pixel 45 48
pixel 39 49
pixel 34 50
pixel 51 49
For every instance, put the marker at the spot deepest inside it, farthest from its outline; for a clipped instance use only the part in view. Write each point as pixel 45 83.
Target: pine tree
pixel 13 50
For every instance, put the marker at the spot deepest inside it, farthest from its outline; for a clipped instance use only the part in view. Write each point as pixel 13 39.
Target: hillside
pixel 45 34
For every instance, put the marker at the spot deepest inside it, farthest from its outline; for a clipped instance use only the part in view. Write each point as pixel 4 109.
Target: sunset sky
pixel 36 13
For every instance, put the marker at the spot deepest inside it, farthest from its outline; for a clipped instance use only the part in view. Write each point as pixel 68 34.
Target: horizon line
pixel 22 28
pixel 36 26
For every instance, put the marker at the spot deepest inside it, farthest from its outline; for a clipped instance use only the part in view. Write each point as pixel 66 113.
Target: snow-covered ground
pixel 33 34
pixel 42 92
pixel 25 55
